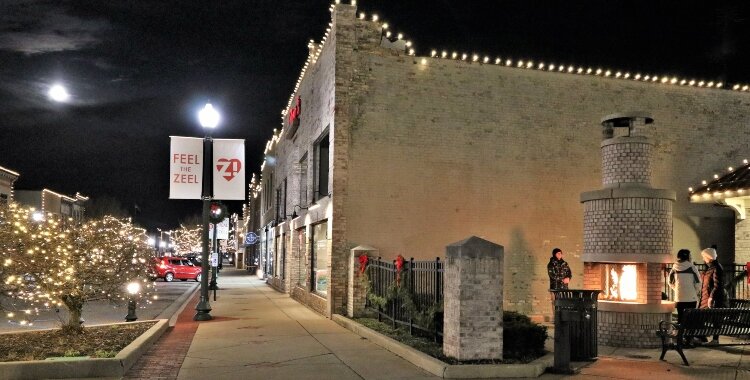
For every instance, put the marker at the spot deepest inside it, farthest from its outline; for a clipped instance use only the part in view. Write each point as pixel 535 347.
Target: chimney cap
pixel 625 119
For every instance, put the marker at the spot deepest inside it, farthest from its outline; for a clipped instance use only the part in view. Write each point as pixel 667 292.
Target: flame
pixel 622 283
pixel 628 283
pixel 614 277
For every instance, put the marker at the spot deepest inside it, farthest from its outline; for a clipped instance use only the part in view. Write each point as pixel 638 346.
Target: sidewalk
pixel 260 333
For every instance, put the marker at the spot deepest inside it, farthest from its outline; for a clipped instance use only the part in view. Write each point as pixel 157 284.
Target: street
pixel 103 312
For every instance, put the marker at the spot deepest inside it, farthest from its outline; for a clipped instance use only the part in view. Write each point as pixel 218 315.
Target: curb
pixel 442 369
pixel 86 367
pixel 177 306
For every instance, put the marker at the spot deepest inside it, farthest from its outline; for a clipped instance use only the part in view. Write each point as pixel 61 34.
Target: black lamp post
pixel 209 118
pixel 218 210
pixel 133 289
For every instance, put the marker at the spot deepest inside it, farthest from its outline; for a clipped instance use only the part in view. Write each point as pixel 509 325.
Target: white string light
pixel 316 51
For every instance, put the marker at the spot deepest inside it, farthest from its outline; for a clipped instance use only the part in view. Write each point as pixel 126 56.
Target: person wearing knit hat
pixel 713 294
pixel 684 279
pixel 558 271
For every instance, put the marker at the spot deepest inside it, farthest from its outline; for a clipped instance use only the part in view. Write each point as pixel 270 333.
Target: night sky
pixel 138 71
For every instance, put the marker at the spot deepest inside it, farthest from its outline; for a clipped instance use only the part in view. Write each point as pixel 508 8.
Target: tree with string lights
pixel 187 239
pixel 48 262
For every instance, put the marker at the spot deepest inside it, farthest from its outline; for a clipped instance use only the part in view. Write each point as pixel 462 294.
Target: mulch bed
pixel 99 341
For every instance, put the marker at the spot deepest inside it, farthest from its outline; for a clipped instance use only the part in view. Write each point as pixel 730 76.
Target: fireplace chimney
pixel 627 221
pixel 627 236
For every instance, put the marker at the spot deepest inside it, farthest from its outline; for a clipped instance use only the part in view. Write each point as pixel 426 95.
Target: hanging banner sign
pixel 221 228
pixel 229 169
pixel 185 168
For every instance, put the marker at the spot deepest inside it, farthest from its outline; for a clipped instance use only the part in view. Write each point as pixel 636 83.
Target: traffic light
pixel 218 212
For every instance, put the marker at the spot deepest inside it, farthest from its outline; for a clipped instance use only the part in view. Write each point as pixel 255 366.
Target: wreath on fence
pixel 399 268
pixel 363 260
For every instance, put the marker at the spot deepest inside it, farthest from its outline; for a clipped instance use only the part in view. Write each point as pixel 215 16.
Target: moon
pixel 58 93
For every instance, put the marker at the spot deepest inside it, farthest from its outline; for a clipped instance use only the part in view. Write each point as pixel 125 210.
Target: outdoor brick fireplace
pixel 627 237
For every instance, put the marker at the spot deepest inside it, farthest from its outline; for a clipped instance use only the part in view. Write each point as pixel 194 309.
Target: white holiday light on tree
pixel 48 262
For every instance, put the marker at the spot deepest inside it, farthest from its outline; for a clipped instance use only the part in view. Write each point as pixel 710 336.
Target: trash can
pixel 578 308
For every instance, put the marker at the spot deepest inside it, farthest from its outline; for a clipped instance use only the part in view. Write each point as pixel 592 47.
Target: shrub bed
pixel 523 340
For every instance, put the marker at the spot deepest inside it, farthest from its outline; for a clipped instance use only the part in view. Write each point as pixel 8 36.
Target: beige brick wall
pixel 619 329
pixel 640 225
pixel 626 163
pixel 450 149
pixel 424 155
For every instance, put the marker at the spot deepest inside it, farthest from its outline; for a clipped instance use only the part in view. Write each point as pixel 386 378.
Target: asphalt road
pixel 104 312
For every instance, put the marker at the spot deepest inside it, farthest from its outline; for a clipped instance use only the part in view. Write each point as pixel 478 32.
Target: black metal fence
pixel 735 281
pixel 411 296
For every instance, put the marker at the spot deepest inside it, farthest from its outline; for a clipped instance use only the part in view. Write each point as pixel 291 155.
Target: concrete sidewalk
pixel 260 333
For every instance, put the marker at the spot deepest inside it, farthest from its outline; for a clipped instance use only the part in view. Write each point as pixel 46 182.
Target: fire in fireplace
pixel 621 282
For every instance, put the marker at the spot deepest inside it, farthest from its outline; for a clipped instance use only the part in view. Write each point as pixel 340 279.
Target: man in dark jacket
pixel 712 291
pixel 558 271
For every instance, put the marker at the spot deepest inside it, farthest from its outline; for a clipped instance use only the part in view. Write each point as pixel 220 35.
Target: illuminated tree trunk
pixel 75 307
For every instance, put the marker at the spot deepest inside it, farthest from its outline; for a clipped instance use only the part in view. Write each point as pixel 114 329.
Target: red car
pixel 170 268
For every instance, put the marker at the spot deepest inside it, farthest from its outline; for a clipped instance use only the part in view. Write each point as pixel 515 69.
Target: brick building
pixel 7 179
pixel 52 202
pixel 406 154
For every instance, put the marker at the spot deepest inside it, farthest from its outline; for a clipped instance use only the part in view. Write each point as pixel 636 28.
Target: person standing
pixel 558 271
pixel 712 290
pixel 684 279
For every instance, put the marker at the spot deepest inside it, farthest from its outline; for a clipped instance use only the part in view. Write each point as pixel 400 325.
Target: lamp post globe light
pixel 133 289
pixel 209 119
pixel 37 216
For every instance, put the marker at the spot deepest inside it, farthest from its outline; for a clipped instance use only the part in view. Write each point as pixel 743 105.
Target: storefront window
pixel 276 260
pixel 269 252
pixel 282 256
pixel 301 256
pixel 320 277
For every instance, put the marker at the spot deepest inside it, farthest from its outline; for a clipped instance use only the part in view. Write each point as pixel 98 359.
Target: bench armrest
pixel 664 327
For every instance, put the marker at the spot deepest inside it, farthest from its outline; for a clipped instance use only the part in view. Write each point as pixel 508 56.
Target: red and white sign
pixel 229 169
pixel 185 168
pixel 295 112
pixel 222 230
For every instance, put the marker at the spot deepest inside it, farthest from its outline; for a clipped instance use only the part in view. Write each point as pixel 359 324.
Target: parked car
pixel 170 268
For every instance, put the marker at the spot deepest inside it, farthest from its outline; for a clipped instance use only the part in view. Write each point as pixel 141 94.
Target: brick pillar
pixel 356 292
pixel 473 305
pixel 295 256
pixel 742 240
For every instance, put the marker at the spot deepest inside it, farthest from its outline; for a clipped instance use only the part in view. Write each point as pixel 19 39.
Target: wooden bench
pixel 704 322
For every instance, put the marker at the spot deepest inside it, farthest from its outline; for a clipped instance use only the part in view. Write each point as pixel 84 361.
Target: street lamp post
pixel 214 250
pixel 133 289
pixel 208 118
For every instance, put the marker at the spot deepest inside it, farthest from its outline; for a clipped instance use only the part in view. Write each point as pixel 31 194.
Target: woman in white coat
pixel 685 280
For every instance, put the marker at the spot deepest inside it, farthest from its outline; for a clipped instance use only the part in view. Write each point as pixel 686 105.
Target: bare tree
pixel 102 206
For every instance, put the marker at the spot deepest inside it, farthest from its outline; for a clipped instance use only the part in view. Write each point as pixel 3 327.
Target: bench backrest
pixel 700 322
pixel 736 303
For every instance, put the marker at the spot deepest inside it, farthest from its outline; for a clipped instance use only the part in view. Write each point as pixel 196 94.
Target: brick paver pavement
pixel 164 359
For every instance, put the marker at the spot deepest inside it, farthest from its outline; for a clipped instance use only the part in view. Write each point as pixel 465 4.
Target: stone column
pixel 473 300
pixel 356 293
pixel 742 239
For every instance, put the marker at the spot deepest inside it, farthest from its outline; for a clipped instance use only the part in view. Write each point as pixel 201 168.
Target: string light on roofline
pixel 521 64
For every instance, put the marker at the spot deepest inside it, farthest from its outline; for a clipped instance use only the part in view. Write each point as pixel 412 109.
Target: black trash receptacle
pixel 583 337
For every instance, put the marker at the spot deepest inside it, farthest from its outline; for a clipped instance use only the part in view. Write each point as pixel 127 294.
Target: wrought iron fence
pixel 411 296
pixel 735 279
